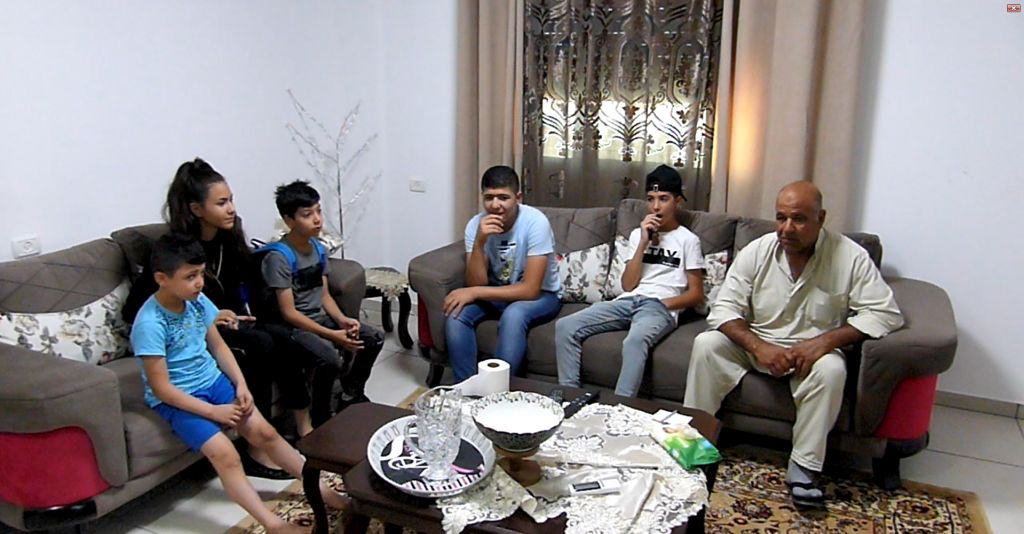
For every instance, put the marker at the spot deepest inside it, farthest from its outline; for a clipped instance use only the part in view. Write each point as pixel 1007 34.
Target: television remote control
pixel 578 403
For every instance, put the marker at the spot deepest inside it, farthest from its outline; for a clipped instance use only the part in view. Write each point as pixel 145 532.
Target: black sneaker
pixel 258 470
pixel 344 402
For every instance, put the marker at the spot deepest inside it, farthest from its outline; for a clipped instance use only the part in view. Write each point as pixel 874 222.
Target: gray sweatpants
pixel 717 365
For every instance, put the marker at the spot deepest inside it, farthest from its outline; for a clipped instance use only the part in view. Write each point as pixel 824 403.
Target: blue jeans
pixel 515 319
pixel 648 321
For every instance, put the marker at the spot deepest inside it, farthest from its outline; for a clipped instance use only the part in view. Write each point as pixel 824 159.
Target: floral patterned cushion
pixel 715 266
pixel 584 274
pixel 94 333
pixel 613 286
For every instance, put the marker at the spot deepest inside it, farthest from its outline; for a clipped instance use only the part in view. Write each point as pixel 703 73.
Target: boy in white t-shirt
pixel 663 276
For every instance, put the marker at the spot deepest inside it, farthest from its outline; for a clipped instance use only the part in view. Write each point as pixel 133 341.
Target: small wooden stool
pixel 387 282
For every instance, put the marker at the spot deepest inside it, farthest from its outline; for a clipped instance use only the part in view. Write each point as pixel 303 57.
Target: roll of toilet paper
pixel 491 377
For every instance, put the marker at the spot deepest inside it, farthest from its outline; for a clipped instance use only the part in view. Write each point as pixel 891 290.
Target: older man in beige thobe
pixel 790 301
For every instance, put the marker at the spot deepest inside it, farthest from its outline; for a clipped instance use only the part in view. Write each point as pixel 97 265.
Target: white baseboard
pixel 978 404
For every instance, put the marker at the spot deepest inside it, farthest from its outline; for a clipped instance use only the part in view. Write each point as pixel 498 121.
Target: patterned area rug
pixel 290 503
pixel 750 496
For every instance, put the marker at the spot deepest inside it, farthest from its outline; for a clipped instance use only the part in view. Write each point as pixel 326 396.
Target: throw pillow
pixel 94 333
pixel 715 266
pixel 584 274
pixel 613 286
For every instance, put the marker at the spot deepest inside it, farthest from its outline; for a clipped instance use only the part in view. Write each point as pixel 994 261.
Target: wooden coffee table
pixel 339 446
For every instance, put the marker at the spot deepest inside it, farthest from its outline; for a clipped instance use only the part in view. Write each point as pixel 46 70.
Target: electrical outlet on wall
pixel 417 185
pixel 22 247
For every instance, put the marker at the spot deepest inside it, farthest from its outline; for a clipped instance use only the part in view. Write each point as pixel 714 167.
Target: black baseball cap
pixel 665 178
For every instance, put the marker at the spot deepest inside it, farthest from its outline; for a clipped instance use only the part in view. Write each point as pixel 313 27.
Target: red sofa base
pixel 49 469
pixel 909 414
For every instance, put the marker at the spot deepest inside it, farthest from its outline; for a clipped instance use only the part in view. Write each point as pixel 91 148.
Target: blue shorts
pixel 195 430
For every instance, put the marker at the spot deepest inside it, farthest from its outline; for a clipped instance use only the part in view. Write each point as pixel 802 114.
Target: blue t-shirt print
pixel 530 235
pixel 180 338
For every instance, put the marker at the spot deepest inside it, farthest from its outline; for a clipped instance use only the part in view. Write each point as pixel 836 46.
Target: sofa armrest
pixel 924 346
pixel 432 276
pixel 347 284
pixel 41 392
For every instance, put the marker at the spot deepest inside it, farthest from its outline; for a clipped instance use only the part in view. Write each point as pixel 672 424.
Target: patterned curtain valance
pixel 613 88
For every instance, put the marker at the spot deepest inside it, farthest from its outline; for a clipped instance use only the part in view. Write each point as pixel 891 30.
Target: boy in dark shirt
pixel 306 305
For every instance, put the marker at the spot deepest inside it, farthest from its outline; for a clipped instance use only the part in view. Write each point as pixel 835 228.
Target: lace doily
pixel 494 499
pixel 601 440
pixel 390 282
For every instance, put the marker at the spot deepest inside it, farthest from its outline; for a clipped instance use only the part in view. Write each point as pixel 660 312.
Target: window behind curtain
pixel 612 89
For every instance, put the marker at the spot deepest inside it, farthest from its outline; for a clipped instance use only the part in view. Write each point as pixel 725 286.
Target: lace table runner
pixel 601 441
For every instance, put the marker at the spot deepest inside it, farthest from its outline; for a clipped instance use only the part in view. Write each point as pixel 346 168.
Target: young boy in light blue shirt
pixel 193 382
pixel 511 275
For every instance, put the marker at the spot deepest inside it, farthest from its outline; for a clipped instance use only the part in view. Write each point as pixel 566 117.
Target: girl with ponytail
pixel 200 205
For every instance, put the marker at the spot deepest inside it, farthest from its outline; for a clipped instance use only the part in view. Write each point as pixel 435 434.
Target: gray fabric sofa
pixel 892 381
pixel 41 395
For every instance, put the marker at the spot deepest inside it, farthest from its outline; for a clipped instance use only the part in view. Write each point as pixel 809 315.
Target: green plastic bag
pixel 687 446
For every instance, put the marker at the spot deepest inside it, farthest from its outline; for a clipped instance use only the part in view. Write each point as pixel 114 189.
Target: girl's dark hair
pixel 192 184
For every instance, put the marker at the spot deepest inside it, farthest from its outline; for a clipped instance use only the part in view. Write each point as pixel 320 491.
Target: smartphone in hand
pixel 652 235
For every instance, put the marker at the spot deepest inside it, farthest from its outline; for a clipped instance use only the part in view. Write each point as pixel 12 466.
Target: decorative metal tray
pixel 400 467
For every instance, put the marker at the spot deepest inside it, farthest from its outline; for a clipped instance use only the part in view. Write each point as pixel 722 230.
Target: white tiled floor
pixel 969 451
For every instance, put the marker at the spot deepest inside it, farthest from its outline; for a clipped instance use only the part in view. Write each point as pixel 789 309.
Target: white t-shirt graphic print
pixel 665 264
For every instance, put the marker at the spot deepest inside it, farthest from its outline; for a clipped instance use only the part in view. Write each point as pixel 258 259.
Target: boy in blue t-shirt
pixel 511 274
pixel 179 348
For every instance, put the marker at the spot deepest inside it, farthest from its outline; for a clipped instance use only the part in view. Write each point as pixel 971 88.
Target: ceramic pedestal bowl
pixel 517 422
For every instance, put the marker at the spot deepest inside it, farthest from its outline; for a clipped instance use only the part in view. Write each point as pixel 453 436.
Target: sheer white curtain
pixel 787 103
pixel 614 88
